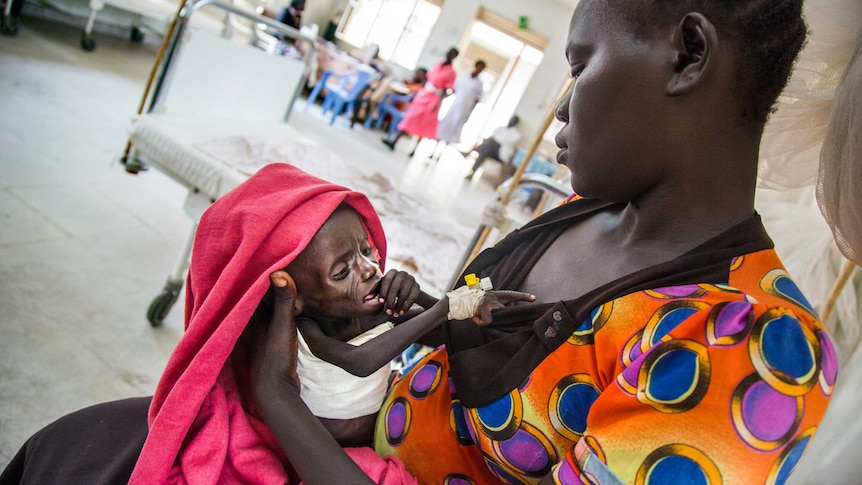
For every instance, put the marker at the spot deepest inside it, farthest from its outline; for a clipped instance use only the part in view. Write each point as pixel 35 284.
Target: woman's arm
pixel 311 450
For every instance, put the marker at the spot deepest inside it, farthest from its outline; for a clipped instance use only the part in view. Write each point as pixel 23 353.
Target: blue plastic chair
pixel 342 97
pixel 387 107
pixel 318 86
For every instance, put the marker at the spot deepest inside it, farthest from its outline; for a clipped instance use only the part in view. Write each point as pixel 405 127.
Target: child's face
pixel 337 274
pixel 615 112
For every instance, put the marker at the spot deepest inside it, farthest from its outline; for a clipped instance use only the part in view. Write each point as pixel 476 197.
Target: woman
pixel 667 341
pixel 421 117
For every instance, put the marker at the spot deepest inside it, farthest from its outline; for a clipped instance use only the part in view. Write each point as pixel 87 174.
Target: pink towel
pixel 199 430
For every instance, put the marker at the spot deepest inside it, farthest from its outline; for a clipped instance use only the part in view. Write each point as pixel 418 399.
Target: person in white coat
pixel 468 93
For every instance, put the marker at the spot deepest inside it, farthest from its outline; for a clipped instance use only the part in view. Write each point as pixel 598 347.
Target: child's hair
pixel 766 37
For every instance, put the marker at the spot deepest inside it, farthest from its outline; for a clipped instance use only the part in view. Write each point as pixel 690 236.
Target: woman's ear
pixel 695 41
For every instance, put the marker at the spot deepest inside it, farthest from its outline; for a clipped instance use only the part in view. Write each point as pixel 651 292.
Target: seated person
pixel 500 146
pixel 290 15
pixel 667 343
pixel 413 84
pixel 204 424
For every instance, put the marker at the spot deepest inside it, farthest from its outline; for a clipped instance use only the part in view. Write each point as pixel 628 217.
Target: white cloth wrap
pixel 331 392
pixel 464 302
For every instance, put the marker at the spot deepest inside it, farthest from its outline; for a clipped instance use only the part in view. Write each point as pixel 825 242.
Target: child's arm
pixel 365 359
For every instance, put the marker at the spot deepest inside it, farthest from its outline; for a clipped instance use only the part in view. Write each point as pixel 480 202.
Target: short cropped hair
pixel 766 37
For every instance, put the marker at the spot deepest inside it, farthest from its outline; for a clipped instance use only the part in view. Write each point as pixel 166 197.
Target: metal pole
pixel 159 56
pixel 840 281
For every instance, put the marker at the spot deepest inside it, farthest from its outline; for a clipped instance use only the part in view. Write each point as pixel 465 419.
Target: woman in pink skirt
pixel 421 117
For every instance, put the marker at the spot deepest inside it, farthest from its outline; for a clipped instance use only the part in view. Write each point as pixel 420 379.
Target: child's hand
pixel 398 292
pixel 494 299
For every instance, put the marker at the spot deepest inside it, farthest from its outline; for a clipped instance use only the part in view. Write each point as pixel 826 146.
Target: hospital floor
pixel 85 246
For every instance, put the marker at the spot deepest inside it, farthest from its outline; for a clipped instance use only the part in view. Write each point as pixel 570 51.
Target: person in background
pixel 291 15
pixel 415 83
pixel 468 93
pixel 500 146
pixel 421 117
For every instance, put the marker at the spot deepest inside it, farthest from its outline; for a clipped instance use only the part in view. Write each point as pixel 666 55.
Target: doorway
pixel 512 56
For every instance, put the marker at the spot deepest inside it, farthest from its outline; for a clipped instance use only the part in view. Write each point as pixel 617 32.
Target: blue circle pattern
pixel 787 288
pixel 673 375
pixel 574 406
pixel 669 322
pixel 674 470
pixel 497 414
pixel 791 459
pixel 785 347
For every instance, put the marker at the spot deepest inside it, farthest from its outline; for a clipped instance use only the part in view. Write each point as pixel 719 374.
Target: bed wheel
pixel 137 36
pixel 87 42
pixel 162 303
pixel 10 24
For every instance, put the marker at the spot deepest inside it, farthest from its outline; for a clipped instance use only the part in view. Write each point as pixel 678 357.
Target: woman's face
pixel 337 274
pixel 613 114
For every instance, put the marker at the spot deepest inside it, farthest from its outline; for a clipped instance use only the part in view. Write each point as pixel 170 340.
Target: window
pixel 400 27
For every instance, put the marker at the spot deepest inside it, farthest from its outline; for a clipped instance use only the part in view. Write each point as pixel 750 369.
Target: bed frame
pixel 203 86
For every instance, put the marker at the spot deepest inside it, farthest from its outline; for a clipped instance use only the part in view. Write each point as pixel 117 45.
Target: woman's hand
pixel 399 290
pixel 494 299
pixel 308 446
pixel 273 366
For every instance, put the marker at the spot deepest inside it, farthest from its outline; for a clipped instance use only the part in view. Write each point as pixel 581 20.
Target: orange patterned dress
pixel 709 369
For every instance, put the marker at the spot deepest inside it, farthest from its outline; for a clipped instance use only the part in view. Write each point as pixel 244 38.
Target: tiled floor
pixel 84 246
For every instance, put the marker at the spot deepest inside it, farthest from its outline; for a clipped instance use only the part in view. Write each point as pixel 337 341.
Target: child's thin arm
pixel 365 359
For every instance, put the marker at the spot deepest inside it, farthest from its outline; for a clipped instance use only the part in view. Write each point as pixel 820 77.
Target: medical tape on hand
pixel 464 302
